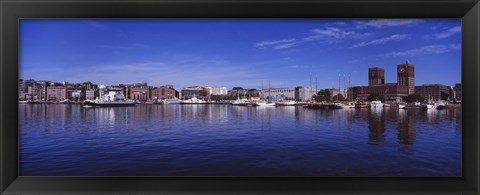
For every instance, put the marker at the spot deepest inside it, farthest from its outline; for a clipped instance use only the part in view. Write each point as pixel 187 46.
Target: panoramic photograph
pixel 240 97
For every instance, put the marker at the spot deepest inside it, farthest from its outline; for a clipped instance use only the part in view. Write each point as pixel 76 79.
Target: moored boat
pixel 112 99
pixel 193 100
pixel 376 104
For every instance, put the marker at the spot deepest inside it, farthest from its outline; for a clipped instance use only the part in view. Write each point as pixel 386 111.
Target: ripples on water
pixel 225 140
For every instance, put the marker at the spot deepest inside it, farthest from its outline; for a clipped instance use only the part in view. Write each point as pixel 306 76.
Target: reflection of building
pixel 406 127
pixel 434 92
pixel 458 92
pixel 376 125
pixel 304 93
pixel 56 93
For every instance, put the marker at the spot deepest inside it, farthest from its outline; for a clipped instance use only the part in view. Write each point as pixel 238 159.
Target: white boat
pixel 286 103
pixel 113 98
pixel 171 101
pixel 193 100
pixel 239 101
pixel 401 106
pixel 431 106
pixel 23 102
pixel 65 101
pixel 376 104
pixel 345 105
pixel 263 103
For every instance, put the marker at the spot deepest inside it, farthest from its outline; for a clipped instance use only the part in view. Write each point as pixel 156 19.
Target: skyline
pixel 238 52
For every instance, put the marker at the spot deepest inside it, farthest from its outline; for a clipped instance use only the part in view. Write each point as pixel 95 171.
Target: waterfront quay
pixel 402 94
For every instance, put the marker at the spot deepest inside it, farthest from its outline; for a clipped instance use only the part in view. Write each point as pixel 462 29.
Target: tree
pixel 413 98
pixel 339 97
pixel 323 95
pixel 373 97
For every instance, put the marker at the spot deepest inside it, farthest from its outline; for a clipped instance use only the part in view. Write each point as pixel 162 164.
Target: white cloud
pixel 395 37
pixel 425 50
pixel 275 43
pixel 333 34
pixel 382 23
pixel 449 32
pixel 284 46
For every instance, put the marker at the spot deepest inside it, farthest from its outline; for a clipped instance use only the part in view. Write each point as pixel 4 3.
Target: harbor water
pixel 227 140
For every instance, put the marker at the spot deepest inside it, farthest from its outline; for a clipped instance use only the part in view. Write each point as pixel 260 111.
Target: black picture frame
pixel 12 10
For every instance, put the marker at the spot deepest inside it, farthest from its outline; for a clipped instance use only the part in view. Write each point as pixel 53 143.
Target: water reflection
pixel 376 126
pixel 185 139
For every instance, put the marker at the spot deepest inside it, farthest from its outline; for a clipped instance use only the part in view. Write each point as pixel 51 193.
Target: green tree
pixel 323 95
pixel 373 97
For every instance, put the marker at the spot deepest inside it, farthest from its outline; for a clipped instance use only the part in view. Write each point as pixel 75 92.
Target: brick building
pixel 433 92
pixel 139 93
pixel 162 93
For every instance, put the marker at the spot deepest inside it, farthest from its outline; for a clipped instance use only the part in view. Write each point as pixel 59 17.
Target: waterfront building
pixel 406 76
pixel 88 85
pixel 138 93
pixel 162 93
pixel 278 92
pixel 457 92
pixel 376 76
pixel 434 91
pixel 91 94
pixel 194 91
pixel 392 92
pixel 219 91
pixel 34 92
pixel 56 93
pixel 78 95
pixel 304 93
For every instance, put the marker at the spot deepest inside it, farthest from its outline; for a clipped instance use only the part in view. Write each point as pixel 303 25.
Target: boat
pixel 376 104
pixel 386 105
pixel 263 103
pixel 193 100
pixel 415 105
pixel 361 105
pixel 431 106
pixel 171 101
pixel 23 102
pixel 286 103
pixel 401 105
pixel 240 101
pixel 112 99
pixel 65 101
pixel 440 105
pixel 346 105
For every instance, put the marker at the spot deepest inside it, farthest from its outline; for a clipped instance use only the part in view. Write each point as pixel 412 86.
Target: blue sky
pixel 238 52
